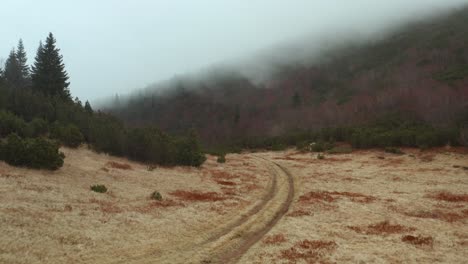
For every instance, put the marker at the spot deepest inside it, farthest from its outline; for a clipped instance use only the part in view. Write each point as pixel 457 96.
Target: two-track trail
pixel 227 244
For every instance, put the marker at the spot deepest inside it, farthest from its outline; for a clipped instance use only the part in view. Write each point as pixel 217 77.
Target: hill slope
pixel 420 71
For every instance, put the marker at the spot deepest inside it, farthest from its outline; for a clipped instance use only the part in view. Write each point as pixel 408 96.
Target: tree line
pixel 38 114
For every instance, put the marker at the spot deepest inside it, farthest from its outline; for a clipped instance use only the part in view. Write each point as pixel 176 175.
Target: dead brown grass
pixel 198 196
pixel 449 197
pixel 275 239
pixel 120 166
pixel 418 240
pixel 382 228
pixel 315 251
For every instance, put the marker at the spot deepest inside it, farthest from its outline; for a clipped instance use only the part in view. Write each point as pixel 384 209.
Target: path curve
pixel 231 242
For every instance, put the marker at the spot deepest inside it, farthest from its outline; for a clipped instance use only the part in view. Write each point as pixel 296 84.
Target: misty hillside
pixel 420 71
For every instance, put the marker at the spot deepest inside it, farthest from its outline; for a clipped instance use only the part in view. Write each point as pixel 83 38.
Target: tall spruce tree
pixel 48 72
pixel 22 64
pixel 12 70
pixel 88 108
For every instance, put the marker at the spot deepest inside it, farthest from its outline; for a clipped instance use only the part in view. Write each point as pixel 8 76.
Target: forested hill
pixel 421 71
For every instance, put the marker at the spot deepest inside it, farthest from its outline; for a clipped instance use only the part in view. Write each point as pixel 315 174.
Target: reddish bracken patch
pixel 313 197
pixel 440 215
pixel 338 160
pixel 382 228
pixel 222 175
pixel 449 197
pixel 418 240
pixel 227 183
pixel 107 207
pixel 299 213
pixel 324 196
pixel 309 251
pixel 197 196
pixel 121 166
pixel 274 239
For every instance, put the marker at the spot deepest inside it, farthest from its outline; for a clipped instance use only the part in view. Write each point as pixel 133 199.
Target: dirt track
pixel 227 244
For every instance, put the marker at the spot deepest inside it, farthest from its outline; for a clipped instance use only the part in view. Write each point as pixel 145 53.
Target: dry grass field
pixel 272 207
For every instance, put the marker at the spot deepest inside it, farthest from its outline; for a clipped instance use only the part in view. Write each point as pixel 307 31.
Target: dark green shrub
pixel 10 123
pixel 394 150
pixel 320 156
pixel 69 135
pixel 188 151
pixel 156 196
pixel 37 153
pixel 37 127
pixel 340 150
pixel 221 159
pixel 99 188
pixel 321 146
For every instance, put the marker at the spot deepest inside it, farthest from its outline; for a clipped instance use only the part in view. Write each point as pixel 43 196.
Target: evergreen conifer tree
pixel 88 108
pixel 12 70
pixel 22 64
pixel 48 73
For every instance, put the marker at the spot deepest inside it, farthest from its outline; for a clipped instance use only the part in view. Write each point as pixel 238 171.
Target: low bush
pixel 221 159
pixel 156 196
pixel 37 153
pixel 394 150
pixel 340 150
pixel 322 146
pixel 99 188
pixel 69 135
pixel 10 123
pixel 320 156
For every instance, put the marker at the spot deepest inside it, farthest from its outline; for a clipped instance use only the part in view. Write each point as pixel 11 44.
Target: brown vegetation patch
pixel 229 191
pixel 227 183
pixel 251 187
pixel 463 243
pixel 222 175
pixel 427 157
pixel 289 158
pixel 418 240
pixel 310 251
pixel 299 213
pixel 382 228
pixel 197 196
pixel 116 165
pixel 356 197
pixel 351 179
pixel 275 239
pixel 449 197
pixel 440 215
pixel 313 197
pixel 107 207
pixel 333 159
pixel 158 204
pixel 392 162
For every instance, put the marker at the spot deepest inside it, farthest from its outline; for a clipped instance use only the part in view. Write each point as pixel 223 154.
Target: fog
pixel 112 47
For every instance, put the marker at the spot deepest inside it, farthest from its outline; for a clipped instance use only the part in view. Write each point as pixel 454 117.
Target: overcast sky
pixel 115 46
